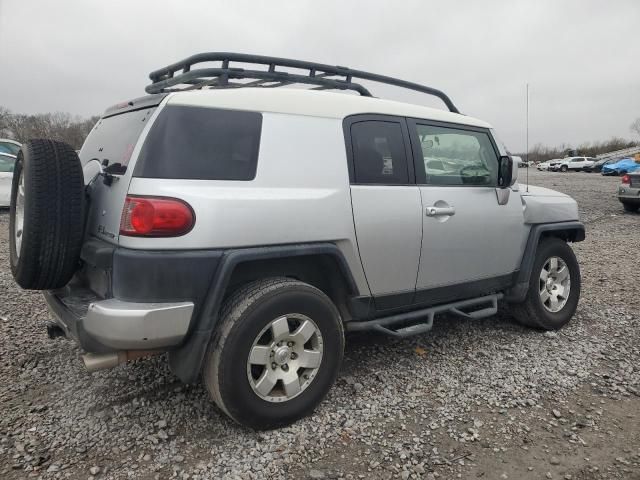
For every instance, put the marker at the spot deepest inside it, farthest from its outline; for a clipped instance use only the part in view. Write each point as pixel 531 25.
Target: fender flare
pixel 568 231
pixel 186 360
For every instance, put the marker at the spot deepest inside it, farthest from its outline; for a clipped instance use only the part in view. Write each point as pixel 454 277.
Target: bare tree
pixel 56 126
pixel 635 126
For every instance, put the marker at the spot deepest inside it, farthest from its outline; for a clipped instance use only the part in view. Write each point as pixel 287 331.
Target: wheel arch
pixel 322 265
pixel 567 231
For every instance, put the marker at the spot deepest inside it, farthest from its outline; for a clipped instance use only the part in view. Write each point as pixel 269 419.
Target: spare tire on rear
pixel 46 220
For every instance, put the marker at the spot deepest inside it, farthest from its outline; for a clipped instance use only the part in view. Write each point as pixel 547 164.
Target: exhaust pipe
pixel 101 361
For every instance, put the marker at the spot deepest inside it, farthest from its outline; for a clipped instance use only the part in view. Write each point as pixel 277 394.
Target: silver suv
pixel 243 228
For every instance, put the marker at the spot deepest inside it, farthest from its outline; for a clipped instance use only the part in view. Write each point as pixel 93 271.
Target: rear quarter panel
pixel 300 194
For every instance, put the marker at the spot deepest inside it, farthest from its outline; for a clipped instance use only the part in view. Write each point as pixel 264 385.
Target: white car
pixel 573 163
pixel 7 161
pixel 544 166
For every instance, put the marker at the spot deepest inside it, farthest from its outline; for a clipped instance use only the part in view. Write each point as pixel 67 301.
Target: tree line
pixel 540 152
pixel 74 129
pixel 56 126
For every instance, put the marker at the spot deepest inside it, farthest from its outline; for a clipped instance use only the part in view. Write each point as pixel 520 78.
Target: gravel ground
pixel 471 399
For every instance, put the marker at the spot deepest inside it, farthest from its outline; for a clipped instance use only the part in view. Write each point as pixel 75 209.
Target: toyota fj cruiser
pixel 243 228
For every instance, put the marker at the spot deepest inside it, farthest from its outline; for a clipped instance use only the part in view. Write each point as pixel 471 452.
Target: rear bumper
pixel 629 194
pixel 124 299
pixel 112 324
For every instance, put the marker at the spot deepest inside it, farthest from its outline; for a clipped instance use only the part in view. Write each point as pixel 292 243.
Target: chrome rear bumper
pixel 113 324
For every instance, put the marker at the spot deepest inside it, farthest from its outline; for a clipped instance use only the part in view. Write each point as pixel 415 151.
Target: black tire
pixel 532 312
pixel 630 207
pixel 244 315
pixel 564 168
pixel 53 222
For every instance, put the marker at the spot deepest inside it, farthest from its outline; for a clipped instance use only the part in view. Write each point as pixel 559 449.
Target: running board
pixel 421 321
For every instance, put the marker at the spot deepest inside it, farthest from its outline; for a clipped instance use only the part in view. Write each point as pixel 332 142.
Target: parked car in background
pixel 9 146
pixel 575 164
pixel 7 162
pixel 520 162
pixel 548 165
pixel 629 191
pixel 597 166
pixel 621 167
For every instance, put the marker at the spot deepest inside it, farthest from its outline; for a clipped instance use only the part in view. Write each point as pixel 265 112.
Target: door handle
pixel 440 211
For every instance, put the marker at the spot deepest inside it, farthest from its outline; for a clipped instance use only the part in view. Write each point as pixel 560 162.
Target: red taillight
pixel 156 217
pixel 626 180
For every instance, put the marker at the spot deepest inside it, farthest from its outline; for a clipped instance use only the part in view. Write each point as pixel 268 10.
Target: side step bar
pixel 420 321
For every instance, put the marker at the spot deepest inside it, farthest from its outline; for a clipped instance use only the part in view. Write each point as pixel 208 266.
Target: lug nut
pixel 285 367
pixel 274 365
pixel 289 344
pixel 293 355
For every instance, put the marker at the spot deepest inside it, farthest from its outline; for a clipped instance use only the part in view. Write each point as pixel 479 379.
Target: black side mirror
pixel 505 171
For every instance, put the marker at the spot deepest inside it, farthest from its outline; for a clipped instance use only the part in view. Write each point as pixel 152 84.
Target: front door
pixel 470 244
pixel 387 210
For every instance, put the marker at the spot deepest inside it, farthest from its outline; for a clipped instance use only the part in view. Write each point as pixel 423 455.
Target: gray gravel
pixel 470 399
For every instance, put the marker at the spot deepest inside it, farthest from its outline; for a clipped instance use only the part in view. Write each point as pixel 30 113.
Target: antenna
pixel 527 128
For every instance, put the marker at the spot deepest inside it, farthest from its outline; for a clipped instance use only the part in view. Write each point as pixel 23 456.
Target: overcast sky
pixel 581 58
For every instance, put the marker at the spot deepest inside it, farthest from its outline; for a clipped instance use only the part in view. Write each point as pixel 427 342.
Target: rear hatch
pixel 114 142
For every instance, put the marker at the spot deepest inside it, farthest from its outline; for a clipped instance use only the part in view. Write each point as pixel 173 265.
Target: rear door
pixel 470 243
pixel 113 142
pixel 387 209
pixel 577 163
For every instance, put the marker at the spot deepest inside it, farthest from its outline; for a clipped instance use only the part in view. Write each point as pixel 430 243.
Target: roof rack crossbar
pixel 323 76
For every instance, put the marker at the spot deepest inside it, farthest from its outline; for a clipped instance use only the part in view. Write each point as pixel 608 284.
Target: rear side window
pixel 379 155
pixel 201 144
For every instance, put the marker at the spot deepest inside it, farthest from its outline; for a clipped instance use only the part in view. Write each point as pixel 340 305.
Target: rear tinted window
pixel 201 143
pixel 113 138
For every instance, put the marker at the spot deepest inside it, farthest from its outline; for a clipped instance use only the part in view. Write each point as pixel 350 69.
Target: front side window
pixel 454 156
pixel 379 155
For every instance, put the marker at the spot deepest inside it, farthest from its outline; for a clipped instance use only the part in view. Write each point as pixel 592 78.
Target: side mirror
pixel 506 175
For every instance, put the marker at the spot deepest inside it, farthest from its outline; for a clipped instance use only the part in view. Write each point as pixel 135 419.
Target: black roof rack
pixel 323 77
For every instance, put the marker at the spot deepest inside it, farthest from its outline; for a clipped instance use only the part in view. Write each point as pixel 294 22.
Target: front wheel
pixel 564 168
pixel 554 287
pixel 276 354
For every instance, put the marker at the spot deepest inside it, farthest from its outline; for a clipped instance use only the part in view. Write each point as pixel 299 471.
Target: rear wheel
pixel 554 287
pixel 46 216
pixel 276 354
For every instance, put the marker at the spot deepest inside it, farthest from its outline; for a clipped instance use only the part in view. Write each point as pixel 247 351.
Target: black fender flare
pixel 568 231
pixel 186 360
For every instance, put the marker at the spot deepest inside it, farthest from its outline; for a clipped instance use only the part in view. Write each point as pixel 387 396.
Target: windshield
pixel 8 147
pixel 114 138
